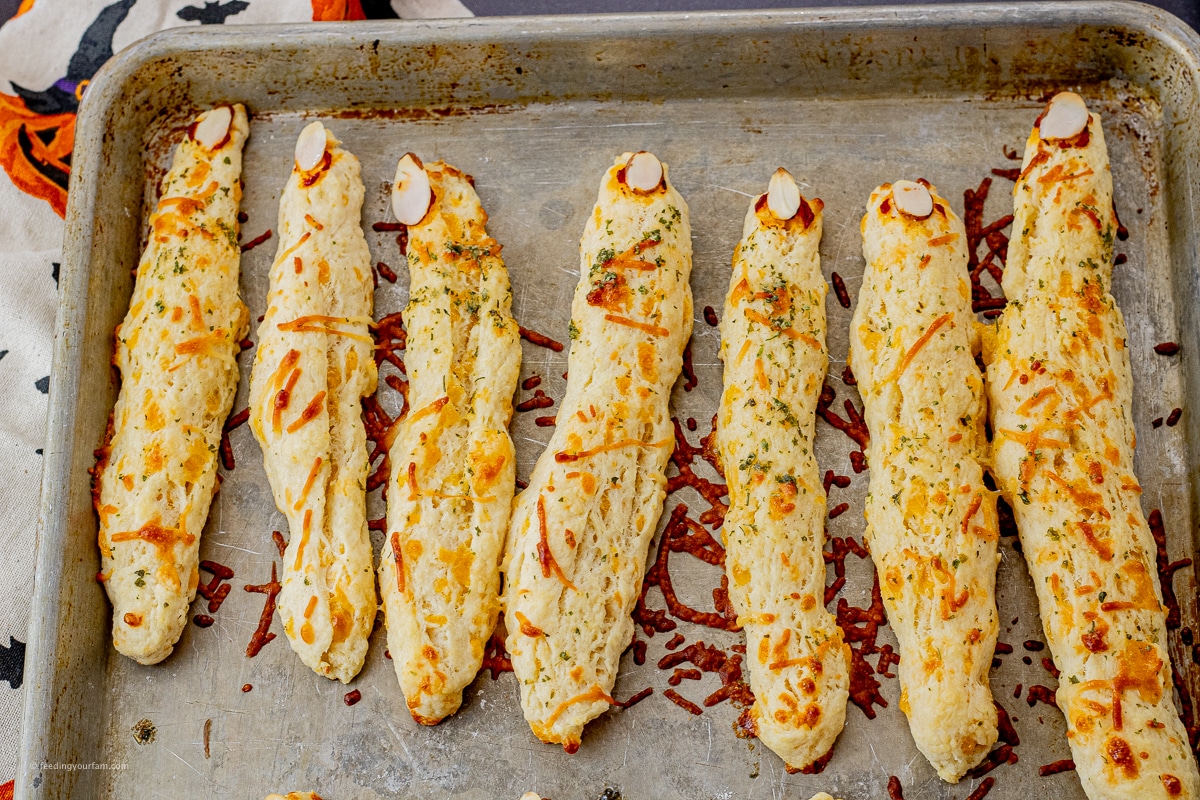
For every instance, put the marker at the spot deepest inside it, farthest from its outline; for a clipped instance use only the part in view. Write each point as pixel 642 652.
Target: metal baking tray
pixel 535 108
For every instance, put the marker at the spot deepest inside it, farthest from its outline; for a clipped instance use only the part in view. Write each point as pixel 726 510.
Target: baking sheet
pixel 535 110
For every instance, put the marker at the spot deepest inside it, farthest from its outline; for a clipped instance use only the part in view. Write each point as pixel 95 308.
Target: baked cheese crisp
pixel 176 351
pixel 313 367
pixel 452 461
pixel 580 533
pixel 773 347
pixel 1061 392
pixel 931 523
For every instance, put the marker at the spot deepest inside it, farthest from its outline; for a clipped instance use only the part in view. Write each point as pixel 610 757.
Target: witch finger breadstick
pixel 773 347
pixel 931 523
pixel 580 533
pixel 1061 392
pixel 313 367
pixel 176 351
pixel 452 481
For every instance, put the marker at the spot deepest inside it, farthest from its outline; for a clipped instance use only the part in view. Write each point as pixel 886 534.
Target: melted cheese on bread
pixel 175 351
pixel 931 523
pixel 580 533
pixel 1061 393
pixel 773 347
pixel 313 367
pixel 453 466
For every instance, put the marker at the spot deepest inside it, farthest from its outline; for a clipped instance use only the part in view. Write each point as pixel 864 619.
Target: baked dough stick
pixel 452 483
pixel 580 532
pixel 175 349
pixel 1061 393
pixel 931 523
pixel 773 346
pixel 314 365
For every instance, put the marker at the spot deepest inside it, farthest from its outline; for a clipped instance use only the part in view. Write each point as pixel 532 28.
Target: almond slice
pixel 912 198
pixel 783 195
pixel 310 146
pixel 411 193
pixel 643 172
pixel 1065 117
pixel 213 127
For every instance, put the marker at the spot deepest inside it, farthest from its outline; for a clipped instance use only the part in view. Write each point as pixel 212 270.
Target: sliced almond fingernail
pixel 1065 117
pixel 411 192
pixel 213 127
pixel 912 198
pixel 310 147
pixel 643 172
pixel 783 195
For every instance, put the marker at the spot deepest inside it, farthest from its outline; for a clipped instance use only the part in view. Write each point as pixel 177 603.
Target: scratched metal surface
pixel 843 99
